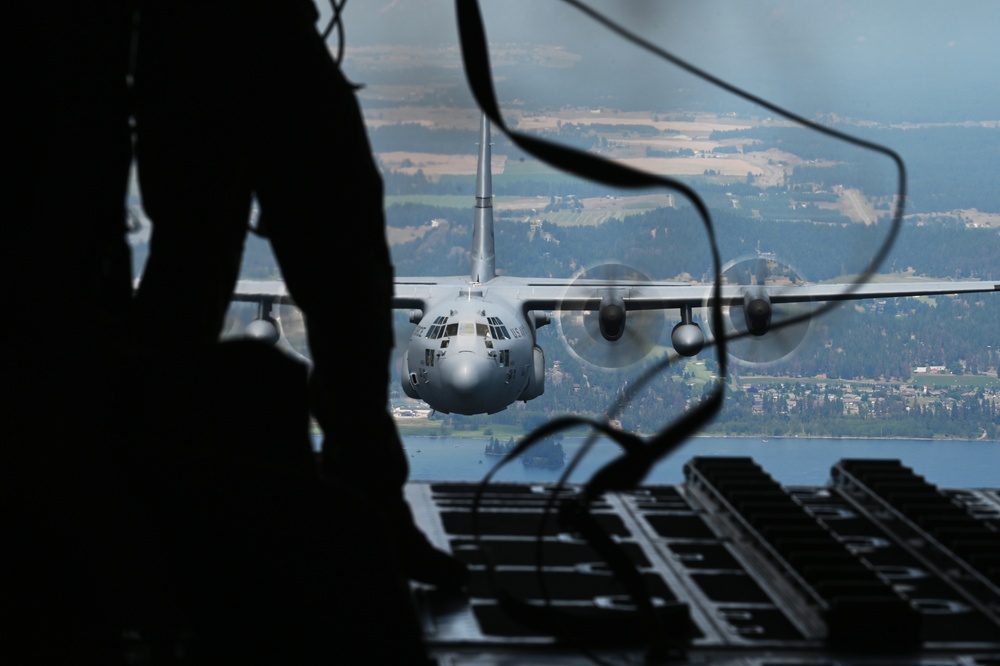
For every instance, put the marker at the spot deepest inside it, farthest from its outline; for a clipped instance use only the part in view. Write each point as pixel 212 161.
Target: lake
pixel 791 461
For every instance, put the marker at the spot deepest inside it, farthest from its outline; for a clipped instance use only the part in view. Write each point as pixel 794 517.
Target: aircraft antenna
pixel 483 253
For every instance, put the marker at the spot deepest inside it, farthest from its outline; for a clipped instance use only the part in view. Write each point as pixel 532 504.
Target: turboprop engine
pixel 600 335
pixel 611 317
pixel 264 330
pixel 756 311
pixel 687 337
pixel 762 332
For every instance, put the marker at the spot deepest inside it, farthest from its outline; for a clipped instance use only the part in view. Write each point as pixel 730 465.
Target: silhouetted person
pixel 252 558
pixel 68 270
pixel 240 99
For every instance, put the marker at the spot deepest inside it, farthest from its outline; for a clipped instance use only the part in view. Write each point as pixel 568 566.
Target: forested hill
pixel 666 243
pixel 864 339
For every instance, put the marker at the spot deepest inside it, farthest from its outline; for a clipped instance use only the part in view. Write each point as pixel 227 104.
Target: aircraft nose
pixel 466 372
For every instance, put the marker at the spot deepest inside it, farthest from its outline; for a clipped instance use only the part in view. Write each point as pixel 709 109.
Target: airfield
pixel 625 145
pixel 681 132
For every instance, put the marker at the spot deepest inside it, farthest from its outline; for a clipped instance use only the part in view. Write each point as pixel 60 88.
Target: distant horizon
pixel 885 61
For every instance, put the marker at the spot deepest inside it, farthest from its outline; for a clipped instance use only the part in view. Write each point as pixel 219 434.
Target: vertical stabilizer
pixel 483 253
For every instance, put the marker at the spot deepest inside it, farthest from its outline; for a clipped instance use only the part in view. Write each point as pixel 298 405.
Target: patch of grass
pixel 437 428
pixel 442 200
pixel 640 206
pixel 419 427
pixel 533 169
pixel 943 380
pixel 578 218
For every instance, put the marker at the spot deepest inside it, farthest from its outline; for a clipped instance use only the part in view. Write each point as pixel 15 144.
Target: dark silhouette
pixel 237 100
pixel 253 558
pixel 159 485
pixel 69 290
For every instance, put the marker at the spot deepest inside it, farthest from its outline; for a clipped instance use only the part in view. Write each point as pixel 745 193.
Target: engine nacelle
pixel 406 379
pixel 687 339
pixel 757 311
pixel 262 330
pixel 536 381
pixel 611 318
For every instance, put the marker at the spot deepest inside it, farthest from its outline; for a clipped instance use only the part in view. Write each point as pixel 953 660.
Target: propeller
pixel 279 325
pixel 764 336
pixel 293 328
pixel 610 337
pixel 293 340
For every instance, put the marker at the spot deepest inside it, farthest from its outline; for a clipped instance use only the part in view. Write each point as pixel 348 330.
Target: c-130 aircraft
pixel 474 348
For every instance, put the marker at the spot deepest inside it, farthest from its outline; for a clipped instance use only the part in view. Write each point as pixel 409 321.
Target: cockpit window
pixel 497 330
pixel 437 328
pixel 493 329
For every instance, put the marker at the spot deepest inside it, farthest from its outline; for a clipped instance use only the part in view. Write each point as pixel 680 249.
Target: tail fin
pixel 483 252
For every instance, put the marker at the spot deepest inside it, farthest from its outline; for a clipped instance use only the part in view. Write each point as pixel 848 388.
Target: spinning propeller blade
pixel 581 331
pixel 782 338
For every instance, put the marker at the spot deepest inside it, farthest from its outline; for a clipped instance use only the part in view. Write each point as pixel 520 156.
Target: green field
pixel 436 428
pixel 585 217
pixel 442 200
pixel 943 380
pixel 579 217
pixel 531 169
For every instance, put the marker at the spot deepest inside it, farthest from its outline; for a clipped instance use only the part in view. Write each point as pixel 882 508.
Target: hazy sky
pixel 837 55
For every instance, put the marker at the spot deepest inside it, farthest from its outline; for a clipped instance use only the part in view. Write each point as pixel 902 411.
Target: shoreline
pixel 831 437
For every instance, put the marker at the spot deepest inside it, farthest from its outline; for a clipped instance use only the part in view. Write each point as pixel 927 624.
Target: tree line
pixel 948 167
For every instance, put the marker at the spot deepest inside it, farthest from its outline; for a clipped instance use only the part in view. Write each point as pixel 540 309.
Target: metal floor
pixel 727 568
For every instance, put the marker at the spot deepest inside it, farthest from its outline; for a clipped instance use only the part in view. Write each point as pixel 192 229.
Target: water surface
pixel 791 461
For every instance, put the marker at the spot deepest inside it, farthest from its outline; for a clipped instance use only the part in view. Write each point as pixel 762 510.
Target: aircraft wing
pixel 255 291
pixel 586 294
pixel 857 291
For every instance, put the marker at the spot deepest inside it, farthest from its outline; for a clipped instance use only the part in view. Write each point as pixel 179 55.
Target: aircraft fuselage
pixel 473 355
